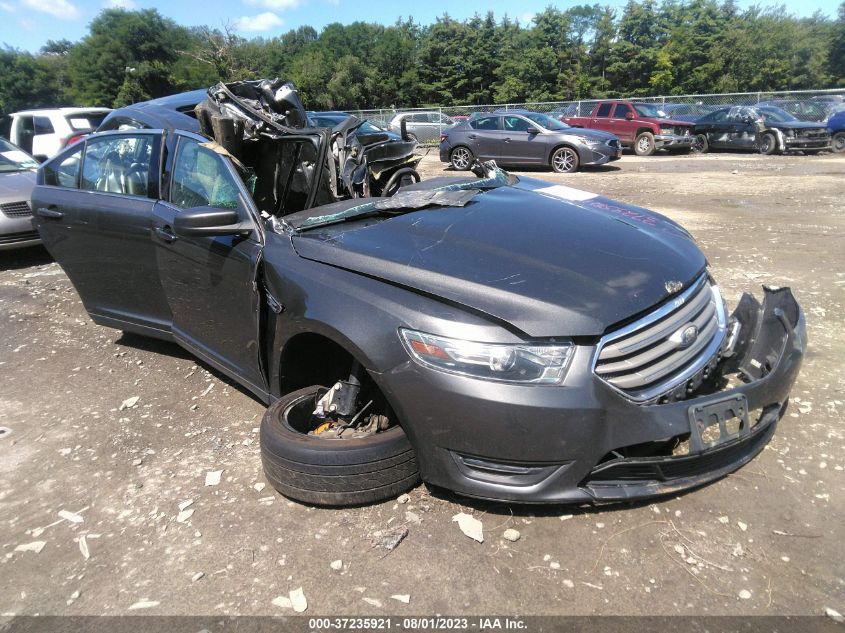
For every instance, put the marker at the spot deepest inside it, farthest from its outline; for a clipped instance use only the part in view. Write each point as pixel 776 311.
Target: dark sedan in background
pixel 763 129
pixel 521 137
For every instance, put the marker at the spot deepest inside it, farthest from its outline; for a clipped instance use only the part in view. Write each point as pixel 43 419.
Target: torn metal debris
pixel 290 166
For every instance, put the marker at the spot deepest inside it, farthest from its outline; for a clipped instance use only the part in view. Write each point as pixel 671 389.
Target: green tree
pixel 120 40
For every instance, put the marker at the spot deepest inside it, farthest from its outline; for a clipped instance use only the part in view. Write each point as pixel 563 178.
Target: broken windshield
pixel 455 195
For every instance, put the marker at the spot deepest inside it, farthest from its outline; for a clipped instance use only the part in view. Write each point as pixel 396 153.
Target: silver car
pixel 17 178
pixel 421 126
pixel 521 137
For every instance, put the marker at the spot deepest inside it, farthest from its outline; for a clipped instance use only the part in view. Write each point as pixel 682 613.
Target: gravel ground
pixel 105 506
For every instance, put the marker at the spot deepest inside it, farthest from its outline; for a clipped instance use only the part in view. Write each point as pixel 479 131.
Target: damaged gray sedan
pixel 500 337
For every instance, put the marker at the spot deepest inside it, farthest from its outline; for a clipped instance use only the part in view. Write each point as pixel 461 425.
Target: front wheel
pixel 768 143
pixel 461 158
pixel 306 464
pixel 644 145
pixel 837 143
pixel 565 160
pixel 700 144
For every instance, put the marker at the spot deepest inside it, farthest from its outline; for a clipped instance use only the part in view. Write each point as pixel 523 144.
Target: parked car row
pixel 567 142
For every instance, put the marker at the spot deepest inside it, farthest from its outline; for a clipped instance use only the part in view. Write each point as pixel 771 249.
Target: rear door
pixel 46 142
pixel 95 220
pixel 210 281
pixel 483 136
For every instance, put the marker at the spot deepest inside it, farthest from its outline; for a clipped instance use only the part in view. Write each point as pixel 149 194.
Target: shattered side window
pixel 64 172
pixel 118 164
pixel 201 178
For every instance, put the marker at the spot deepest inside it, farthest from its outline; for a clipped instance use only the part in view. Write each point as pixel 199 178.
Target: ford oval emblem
pixel 685 336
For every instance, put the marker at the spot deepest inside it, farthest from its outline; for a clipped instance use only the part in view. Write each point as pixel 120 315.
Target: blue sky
pixel 28 24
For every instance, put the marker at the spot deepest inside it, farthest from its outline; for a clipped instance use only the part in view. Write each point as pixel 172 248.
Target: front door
pixel 211 281
pixel 620 125
pixel 522 142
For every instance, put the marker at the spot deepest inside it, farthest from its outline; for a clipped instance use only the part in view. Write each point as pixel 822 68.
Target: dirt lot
pixel 767 540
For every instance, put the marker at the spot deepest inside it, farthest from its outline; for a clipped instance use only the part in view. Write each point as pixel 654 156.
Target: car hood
pixel 599 135
pixel 674 122
pixel 16 186
pixel 796 125
pixel 546 259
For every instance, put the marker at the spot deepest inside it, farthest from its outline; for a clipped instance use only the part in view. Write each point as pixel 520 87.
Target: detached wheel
pixel 461 158
pixel 768 143
pixel 644 145
pixel 837 143
pixel 565 160
pixel 331 471
pixel 700 144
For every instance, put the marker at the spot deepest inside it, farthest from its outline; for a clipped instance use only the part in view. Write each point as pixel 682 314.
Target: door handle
pixel 472 136
pixel 49 212
pixel 507 139
pixel 165 234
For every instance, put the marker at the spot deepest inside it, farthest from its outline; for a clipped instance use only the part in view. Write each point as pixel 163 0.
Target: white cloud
pixel 61 9
pixel 8 8
pixel 27 24
pixel 129 5
pixel 260 22
pixel 526 19
pixel 276 5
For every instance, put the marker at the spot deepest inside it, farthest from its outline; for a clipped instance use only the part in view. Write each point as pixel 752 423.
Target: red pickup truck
pixel 642 126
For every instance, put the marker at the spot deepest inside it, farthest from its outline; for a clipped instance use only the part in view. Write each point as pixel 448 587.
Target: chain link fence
pixel 807 105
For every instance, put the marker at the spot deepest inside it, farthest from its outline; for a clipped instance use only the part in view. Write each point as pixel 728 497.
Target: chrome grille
pixel 651 356
pixel 16 209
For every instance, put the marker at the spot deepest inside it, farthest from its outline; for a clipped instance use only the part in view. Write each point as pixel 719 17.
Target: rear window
pixel 86 121
pixel 604 110
pixel 485 123
pixel 43 125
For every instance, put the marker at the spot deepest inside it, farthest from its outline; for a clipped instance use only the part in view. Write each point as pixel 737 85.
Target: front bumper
pixel 17 232
pixel 598 154
pixel 673 141
pixel 579 442
pixel 806 143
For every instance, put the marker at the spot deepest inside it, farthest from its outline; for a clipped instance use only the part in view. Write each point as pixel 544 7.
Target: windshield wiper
pixel 456 195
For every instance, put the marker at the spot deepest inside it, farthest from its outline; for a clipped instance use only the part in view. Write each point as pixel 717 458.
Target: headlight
pixel 521 363
pixel 667 130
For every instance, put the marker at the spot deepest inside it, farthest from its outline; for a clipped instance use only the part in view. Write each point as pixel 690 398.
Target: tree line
pixel 587 51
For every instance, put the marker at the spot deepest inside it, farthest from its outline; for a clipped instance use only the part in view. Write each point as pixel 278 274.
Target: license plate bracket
pixel 717 422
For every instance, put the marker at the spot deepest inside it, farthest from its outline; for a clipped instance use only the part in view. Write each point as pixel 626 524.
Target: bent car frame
pixel 503 338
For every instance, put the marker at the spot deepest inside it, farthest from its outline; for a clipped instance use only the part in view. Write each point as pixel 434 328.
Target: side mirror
pixel 533 130
pixel 629 116
pixel 209 222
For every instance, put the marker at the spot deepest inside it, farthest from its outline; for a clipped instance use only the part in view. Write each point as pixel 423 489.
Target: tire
pixel 644 145
pixel 768 143
pixel 461 158
pixel 333 472
pixel 700 144
pixel 837 143
pixel 565 160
